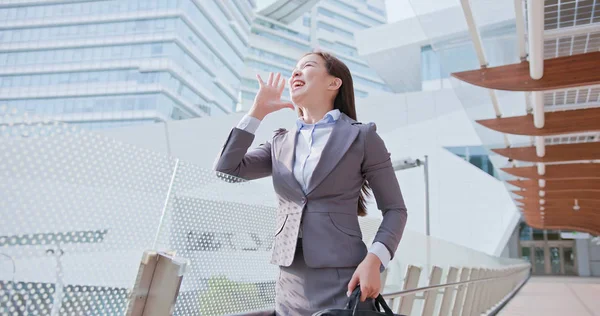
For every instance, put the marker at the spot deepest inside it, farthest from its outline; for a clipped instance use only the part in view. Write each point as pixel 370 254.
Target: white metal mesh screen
pixel 79 209
pixel 225 230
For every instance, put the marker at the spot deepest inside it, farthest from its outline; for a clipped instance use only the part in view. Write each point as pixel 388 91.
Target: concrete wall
pixel 582 248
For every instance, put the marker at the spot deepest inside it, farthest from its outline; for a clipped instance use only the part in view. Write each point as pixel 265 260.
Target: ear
pixel 335 84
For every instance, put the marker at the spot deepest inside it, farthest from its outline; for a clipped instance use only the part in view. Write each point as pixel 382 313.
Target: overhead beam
pixel 558 185
pixel 559 122
pixel 569 31
pixel 537 223
pixel 562 171
pixel 571 224
pixel 515 77
pixel 564 194
pixel 560 204
pixel 554 153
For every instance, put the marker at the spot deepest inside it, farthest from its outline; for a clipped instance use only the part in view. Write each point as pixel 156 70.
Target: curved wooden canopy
pixel 560 122
pixel 558 185
pixel 534 203
pixel 564 194
pixel 563 171
pixel 554 153
pixel 564 184
pixel 559 73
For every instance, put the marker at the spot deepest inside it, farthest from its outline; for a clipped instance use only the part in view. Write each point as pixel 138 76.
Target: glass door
pixel 539 260
pixel 555 260
pixel 569 261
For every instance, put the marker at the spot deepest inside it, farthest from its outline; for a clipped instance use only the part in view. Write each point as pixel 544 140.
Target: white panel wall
pixel 594 259
pixel 582 250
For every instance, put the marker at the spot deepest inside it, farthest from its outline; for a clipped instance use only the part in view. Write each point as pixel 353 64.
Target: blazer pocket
pixel 281 219
pixel 345 223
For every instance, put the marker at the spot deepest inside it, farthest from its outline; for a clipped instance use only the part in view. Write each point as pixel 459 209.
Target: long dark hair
pixel 344 101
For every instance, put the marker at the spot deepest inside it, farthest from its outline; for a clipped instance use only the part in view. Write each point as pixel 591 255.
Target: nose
pixel 295 73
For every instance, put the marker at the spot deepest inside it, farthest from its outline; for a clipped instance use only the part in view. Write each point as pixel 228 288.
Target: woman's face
pixel 310 77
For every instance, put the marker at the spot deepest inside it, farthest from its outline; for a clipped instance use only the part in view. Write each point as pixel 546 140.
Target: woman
pixel 322 171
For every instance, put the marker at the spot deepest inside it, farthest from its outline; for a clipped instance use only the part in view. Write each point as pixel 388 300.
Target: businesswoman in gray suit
pixel 322 171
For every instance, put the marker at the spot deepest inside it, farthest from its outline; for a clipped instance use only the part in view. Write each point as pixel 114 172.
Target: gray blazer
pixel 331 236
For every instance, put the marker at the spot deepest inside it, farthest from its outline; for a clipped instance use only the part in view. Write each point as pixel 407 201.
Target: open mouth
pixel 297 84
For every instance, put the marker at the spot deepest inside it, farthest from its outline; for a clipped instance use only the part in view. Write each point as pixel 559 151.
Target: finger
pixel 364 292
pixel 276 79
pixel 352 284
pixel 281 85
pixel 260 81
pixel 270 79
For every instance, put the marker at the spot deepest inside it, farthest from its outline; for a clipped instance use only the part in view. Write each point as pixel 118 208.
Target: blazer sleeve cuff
pixel 381 252
pixel 249 124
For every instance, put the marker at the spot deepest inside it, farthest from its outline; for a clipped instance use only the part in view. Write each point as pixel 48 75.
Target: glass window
pixel 343 5
pixel 339 47
pixel 282 29
pixel 526 232
pixel 272 56
pixel 280 39
pixel 553 235
pixel 538 234
pixel 376 10
pixel 157 49
pixel 334 29
pixel 306 21
pixel 270 68
pixel 341 18
pixel 526 253
pixel 225 28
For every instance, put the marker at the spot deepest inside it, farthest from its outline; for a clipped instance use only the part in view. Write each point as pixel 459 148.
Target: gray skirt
pixel 301 290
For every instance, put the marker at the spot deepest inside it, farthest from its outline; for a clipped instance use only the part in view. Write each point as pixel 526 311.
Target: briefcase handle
pixel 379 302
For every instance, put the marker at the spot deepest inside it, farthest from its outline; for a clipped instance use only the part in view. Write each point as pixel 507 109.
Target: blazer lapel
pixel 342 136
pixel 287 153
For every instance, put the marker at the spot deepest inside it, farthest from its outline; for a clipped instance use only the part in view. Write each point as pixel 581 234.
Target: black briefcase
pixel 352 307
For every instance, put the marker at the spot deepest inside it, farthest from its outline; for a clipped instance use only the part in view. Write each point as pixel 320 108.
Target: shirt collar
pixel 330 117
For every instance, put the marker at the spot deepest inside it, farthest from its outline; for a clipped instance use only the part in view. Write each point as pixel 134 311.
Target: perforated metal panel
pixel 225 228
pixel 79 209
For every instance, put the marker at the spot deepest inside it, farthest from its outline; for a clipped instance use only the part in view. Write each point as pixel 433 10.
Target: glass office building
pixel 329 26
pixel 121 62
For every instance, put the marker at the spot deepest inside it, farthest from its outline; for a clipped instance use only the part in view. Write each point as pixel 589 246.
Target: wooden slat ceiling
pixel 535 203
pixel 554 153
pixel 558 185
pixel 564 194
pixel 559 73
pixel 583 120
pixel 563 171
pixel 567 171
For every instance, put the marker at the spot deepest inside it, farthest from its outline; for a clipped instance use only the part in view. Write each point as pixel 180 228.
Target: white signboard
pixel 574 235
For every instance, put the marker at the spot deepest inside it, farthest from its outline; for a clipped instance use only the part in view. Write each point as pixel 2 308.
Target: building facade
pixel 329 25
pixel 112 63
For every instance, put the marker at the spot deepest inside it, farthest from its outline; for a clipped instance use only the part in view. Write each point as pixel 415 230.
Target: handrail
pixel 442 286
pixel 507 298
pixel 269 312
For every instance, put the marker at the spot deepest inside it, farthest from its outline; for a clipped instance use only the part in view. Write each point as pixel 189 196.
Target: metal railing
pixel 468 291
pixel 465 292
